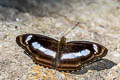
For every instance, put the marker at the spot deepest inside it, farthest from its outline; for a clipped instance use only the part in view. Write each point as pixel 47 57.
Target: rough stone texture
pixel 99 22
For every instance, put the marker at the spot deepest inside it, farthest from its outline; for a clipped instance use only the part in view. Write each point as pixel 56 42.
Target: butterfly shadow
pixel 99 65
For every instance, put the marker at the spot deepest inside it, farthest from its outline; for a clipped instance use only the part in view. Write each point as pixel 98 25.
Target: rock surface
pixel 99 22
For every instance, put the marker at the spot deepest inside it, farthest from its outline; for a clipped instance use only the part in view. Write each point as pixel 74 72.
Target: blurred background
pixel 36 7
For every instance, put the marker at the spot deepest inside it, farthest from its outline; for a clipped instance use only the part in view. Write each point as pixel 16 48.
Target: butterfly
pixel 60 55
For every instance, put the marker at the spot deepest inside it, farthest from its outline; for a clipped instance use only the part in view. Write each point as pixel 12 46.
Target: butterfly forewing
pixel 42 49
pixel 77 53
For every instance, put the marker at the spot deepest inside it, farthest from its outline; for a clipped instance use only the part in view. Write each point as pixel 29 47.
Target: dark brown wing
pixel 78 53
pixel 43 49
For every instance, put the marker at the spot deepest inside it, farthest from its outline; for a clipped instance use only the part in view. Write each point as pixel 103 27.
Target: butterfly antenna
pixel 71 29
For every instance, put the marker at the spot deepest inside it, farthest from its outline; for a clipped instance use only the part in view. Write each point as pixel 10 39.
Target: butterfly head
pixel 63 40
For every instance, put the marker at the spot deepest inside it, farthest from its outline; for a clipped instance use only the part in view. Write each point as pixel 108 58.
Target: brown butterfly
pixel 60 55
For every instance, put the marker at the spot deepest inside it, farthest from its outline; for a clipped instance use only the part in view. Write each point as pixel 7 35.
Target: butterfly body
pixel 60 55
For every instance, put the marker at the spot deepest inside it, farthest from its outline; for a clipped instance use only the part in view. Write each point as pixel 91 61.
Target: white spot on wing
pixel 75 54
pixel 46 51
pixel 28 38
pixel 95 48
